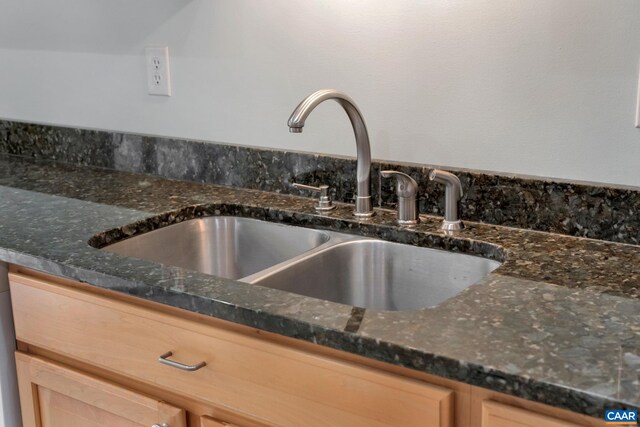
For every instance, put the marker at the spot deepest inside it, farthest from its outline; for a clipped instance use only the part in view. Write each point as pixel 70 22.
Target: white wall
pixel 542 87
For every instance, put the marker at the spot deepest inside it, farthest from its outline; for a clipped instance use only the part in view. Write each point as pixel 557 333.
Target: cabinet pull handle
pixel 163 359
pixel 160 425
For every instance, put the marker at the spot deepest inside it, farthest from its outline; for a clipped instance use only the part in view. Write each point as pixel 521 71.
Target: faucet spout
pixel 363 148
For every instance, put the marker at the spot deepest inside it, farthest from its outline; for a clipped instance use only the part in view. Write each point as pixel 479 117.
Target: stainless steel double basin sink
pixel 338 267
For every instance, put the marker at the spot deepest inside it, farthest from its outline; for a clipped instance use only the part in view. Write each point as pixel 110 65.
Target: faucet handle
pixel 453 194
pixel 406 189
pixel 324 202
pixel 406 186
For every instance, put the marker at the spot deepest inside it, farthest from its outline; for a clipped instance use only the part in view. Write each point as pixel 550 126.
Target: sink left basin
pixel 228 247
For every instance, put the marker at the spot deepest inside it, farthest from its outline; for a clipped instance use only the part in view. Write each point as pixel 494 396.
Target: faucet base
pixel 363 207
pixel 321 208
pixel 407 222
pixel 452 225
pixel 363 215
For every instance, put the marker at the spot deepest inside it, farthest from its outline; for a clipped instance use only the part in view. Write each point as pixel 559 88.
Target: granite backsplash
pixel 578 209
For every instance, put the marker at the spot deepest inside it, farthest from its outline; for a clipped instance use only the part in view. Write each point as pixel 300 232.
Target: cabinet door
pixel 55 396
pixel 210 422
pixel 499 415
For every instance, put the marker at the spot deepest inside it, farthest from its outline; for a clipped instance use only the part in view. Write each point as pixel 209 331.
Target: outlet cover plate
pixel 638 104
pixel 158 76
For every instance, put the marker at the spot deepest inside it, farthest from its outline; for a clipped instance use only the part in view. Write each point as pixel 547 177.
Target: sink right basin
pixel 380 275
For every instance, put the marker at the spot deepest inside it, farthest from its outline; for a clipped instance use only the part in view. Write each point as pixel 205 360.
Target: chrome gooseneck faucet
pixel 363 172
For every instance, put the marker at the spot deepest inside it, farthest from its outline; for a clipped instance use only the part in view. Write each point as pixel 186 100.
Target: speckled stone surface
pixel 557 323
pixel 577 209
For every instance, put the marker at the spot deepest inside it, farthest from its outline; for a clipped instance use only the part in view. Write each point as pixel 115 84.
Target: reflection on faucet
pixel 296 123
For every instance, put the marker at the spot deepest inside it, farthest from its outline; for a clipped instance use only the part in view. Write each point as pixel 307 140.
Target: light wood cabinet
pixel 56 396
pixel 269 382
pixel 251 378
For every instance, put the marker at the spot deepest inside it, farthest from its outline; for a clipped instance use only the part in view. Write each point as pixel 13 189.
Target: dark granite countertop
pixel 557 323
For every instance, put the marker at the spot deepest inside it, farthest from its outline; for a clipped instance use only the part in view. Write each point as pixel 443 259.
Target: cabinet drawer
pixel 265 381
pixel 496 414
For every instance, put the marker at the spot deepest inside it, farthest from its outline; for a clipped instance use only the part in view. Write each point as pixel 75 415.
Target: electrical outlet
pixel 638 102
pixel 158 77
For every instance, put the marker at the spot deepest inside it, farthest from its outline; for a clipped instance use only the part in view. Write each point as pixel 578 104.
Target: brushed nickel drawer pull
pixel 163 359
